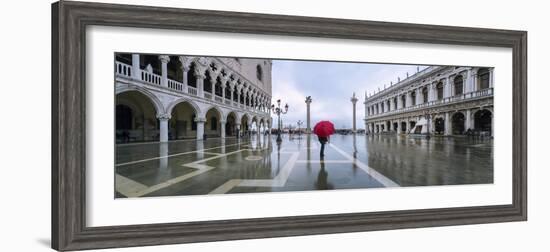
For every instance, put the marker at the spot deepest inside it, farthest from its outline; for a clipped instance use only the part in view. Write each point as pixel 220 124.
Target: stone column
pixel 308 121
pixel 200 83
pixel 464 83
pixel 491 78
pixel 232 90
pixel 447 88
pixel 224 86
pixel 163 125
pixel 399 126
pixel 213 88
pixel 200 127
pixel 432 92
pixel 222 129
pixel 468 121
pixel 135 67
pixel 164 59
pixel 447 129
pixel 237 129
pixel 354 101
pixel 185 70
pixel 419 96
pixel 408 99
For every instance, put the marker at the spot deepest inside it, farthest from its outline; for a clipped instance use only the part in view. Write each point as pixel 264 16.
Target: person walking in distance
pixel 323 130
pixel 323 141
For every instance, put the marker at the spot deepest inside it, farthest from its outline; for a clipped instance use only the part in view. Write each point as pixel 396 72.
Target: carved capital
pixel 200 119
pixel 164 59
pixel 164 117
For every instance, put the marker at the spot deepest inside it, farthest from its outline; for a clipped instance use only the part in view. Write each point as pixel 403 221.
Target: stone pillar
pixel 135 67
pixel 432 91
pixel 447 129
pixel 308 121
pixel 408 99
pixel 447 88
pixel 419 96
pixel 464 84
pixel 213 88
pixel 238 129
pixel 354 101
pixel 491 77
pixel 185 70
pixel 200 83
pixel 200 127
pixel 163 126
pixel 468 121
pixel 164 59
pixel 399 126
pixel 232 90
pixel 224 86
pixel 222 129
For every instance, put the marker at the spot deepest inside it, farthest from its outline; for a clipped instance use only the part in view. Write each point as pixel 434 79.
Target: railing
pixel 178 86
pixel 192 90
pixel 123 69
pixel 447 100
pixel 150 77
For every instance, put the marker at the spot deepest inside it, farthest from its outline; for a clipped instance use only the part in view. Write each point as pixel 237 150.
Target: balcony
pixel 152 79
pixel 437 103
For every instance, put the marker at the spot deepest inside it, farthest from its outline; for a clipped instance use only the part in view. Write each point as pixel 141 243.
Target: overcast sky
pixel 331 85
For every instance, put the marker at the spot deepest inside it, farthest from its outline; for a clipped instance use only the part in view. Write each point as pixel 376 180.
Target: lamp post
pixel 278 111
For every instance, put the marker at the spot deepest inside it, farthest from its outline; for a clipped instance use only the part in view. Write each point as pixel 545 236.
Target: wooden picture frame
pixel 69 20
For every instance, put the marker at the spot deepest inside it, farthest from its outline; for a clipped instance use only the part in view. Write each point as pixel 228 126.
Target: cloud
pixel 331 85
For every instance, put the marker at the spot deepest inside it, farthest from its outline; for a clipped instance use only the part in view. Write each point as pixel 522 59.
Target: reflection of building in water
pixel 161 97
pixel 444 99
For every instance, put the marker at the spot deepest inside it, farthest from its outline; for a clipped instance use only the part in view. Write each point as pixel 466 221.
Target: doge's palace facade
pixel 444 100
pixel 167 97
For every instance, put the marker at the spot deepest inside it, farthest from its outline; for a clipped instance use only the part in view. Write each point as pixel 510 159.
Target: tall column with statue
pixel 354 101
pixel 308 123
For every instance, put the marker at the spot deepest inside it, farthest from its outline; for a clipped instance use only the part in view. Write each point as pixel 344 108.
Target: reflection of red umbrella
pixel 323 129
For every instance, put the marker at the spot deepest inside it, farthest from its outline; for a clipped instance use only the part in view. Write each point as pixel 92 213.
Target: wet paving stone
pixel 259 164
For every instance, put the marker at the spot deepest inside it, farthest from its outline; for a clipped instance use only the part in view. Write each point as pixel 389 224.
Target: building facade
pixel 167 97
pixel 444 100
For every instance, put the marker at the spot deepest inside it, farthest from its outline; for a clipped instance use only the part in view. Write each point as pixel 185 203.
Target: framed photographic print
pixel 177 125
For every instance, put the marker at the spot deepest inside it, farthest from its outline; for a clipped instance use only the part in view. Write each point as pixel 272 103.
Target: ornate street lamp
pixel 278 111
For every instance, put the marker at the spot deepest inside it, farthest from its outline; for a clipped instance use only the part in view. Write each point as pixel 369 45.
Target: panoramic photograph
pixel 200 125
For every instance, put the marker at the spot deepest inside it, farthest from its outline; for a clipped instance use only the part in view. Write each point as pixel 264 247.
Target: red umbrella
pixel 323 129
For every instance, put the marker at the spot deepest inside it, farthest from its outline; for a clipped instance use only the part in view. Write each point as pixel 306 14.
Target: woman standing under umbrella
pixel 323 130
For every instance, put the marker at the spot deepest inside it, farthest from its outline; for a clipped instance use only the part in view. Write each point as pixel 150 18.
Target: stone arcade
pixel 445 100
pixel 162 98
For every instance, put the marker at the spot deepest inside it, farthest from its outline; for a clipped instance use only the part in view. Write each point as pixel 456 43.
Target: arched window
pixel 259 73
pixel 484 78
pixel 403 101
pixel 413 98
pixel 458 83
pixel 439 88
